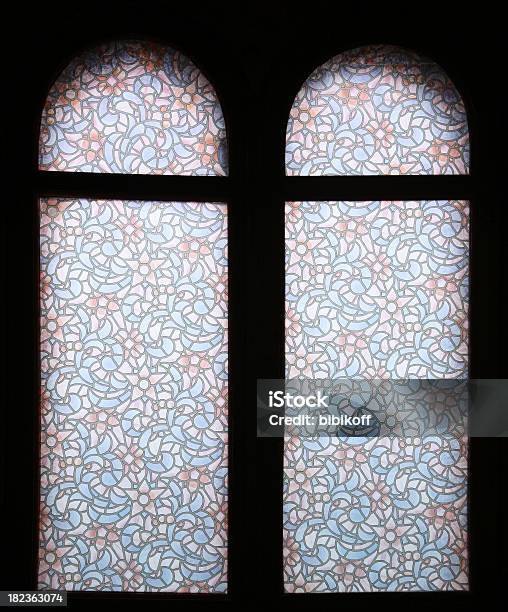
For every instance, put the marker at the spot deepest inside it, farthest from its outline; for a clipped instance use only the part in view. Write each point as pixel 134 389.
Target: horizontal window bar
pixel 133 186
pixel 378 187
pixel 219 189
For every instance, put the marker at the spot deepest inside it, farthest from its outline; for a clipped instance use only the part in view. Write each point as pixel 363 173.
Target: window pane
pixel 135 108
pixel 377 110
pixel 385 283
pixel 376 290
pixel 134 396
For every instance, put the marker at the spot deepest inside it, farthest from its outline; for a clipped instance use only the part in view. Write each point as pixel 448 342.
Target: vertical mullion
pixel 268 339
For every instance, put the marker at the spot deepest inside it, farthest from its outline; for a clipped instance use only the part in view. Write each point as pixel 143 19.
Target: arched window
pixel 133 330
pixel 133 108
pixel 377 290
pixel 377 110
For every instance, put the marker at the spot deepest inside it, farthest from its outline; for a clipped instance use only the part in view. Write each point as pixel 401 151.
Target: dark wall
pixel 257 60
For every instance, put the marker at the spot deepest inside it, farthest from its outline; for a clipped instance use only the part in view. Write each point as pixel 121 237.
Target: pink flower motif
pixel 302 248
pixel 353 95
pixel 380 264
pixel 194 363
pixel 379 495
pixel 102 305
pixel 150 55
pixel 102 535
pixel 207 145
pixel 114 83
pixel 390 534
pixel 290 551
pixel 349 458
pixel 300 477
pixel 101 420
pixel 143 498
pixel 293 216
pixel 351 343
pixel 188 99
pixel 91 144
pixel 131 457
pixel 391 305
pixel 292 445
pixel 52 438
pixel 293 327
pixel 190 586
pixel 304 115
pixel 131 573
pixel 44 516
pixel 144 268
pixel 440 515
pixel 45 402
pixel 350 572
pixel 300 362
pixel 299 584
pixel 132 343
pixel 52 211
pixel 351 230
pixel 194 249
pixel 70 94
pixel 50 556
pixel 143 382
pixel 382 132
pixel 132 229
pixel 46 286
pixel 195 478
pixel 444 152
pixel 441 287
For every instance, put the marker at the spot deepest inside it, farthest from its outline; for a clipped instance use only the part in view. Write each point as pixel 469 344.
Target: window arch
pixel 133 330
pixel 377 110
pixel 133 107
pixel 377 291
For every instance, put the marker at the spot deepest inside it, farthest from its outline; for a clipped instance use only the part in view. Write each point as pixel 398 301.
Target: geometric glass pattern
pixel 376 290
pixel 133 107
pixel 377 110
pixel 133 396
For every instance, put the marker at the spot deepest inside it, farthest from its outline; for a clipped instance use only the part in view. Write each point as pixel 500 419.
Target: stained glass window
pixel 133 107
pixel 377 110
pixel 377 290
pixel 133 324
pixel 134 391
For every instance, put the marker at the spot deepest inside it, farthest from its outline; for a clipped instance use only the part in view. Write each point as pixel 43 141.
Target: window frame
pixel 381 187
pixel 148 187
pixel 256 190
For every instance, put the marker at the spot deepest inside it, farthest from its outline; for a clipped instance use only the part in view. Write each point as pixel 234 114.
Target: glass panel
pixel 134 396
pixel 376 290
pixel 133 107
pixel 377 110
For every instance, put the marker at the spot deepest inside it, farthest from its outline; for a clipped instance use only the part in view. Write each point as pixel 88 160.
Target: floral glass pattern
pixel 376 290
pixel 377 110
pixel 134 396
pixel 133 107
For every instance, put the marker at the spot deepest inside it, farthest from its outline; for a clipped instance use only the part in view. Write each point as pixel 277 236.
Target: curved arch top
pixel 133 107
pixel 377 110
